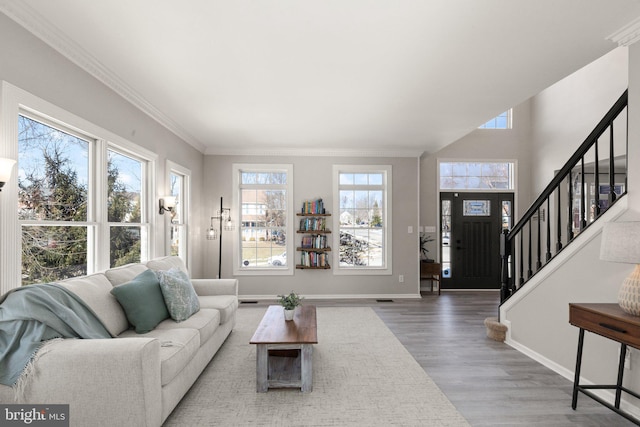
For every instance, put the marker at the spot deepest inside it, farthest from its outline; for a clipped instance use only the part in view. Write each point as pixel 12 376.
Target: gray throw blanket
pixel 31 315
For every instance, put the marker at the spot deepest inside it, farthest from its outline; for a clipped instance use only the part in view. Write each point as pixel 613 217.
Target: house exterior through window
pixel 263 202
pixel 362 201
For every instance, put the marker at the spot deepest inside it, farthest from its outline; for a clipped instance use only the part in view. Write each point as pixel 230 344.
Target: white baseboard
pixel 327 297
pixel 605 395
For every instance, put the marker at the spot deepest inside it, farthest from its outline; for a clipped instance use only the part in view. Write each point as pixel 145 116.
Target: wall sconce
pixel 223 215
pixel 6 166
pixel 166 203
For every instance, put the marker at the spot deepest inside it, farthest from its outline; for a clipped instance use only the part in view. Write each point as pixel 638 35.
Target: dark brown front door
pixel 473 238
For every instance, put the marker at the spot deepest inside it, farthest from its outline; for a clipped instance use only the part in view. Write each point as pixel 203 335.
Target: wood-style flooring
pixel 490 383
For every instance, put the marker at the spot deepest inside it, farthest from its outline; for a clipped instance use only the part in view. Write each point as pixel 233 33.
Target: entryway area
pixel 471 224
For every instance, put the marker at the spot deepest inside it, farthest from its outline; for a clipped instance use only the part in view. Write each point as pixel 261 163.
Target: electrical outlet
pixel 401 278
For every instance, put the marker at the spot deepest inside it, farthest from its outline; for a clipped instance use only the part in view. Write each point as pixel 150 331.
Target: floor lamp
pixel 223 216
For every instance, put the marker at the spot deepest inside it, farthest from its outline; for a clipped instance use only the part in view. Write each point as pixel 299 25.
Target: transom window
pixel 476 176
pixel 264 195
pixel 362 200
pixel 501 121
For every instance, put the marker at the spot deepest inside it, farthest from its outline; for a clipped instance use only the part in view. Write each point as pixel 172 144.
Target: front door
pixel 471 227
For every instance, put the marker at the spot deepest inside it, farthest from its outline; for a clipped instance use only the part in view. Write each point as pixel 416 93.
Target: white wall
pixel 31 65
pixel 481 144
pixel 313 179
pixel 563 115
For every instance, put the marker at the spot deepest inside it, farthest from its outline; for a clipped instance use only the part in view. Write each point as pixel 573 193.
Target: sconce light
pixel 6 166
pixel 166 203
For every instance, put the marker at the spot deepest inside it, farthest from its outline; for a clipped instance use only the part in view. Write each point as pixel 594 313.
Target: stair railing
pixel 589 183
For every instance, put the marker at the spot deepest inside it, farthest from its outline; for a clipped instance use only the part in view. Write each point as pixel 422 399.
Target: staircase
pixel 590 182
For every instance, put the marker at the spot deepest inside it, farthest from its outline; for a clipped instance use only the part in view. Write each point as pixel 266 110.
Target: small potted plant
pixel 289 303
pixel 425 239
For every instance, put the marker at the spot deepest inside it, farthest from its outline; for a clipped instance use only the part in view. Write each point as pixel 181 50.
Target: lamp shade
pixel 621 242
pixel 6 166
pixel 169 202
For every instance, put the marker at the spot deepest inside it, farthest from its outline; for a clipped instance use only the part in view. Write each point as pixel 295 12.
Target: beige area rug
pixel 362 376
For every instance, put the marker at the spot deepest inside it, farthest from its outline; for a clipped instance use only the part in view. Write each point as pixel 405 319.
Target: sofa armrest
pixel 106 382
pixel 206 287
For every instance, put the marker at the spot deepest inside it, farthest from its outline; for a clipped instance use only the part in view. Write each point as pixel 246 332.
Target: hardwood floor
pixel 490 383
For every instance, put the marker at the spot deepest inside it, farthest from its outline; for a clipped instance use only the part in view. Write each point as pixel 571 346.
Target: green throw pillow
pixel 142 301
pixel 178 292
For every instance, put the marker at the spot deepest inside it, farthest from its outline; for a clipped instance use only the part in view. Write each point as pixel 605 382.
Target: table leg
pixel 306 368
pixel 576 380
pixel 262 368
pixel 623 353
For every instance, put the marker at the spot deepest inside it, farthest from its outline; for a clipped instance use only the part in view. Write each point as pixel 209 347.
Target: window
pixel 124 207
pixel 477 176
pixel 362 198
pixel 53 195
pixel 179 181
pixel 264 197
pixel 66 228
pixel 502 121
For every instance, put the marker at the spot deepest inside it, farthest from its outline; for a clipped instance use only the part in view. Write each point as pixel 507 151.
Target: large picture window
pixel 264 208
pixel 362 198
pixel 60 173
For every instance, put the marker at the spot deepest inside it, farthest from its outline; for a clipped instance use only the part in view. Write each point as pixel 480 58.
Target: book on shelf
pixel 314 242
pixel 313 224
pixel 314 259
pixel 313 207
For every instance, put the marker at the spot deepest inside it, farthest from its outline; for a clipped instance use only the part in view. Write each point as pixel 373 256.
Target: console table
pixel 609 321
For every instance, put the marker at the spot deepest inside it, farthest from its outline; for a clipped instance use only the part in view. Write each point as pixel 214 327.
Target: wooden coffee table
pixel 284 349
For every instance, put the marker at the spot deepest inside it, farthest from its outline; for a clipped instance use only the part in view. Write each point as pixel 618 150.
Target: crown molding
pixel 33 22
pixel 306 152
pixel 627 35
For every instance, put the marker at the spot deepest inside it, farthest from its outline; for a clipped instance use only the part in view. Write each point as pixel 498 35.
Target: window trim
pixel 185 173
pixel 237 169
pixel 387 268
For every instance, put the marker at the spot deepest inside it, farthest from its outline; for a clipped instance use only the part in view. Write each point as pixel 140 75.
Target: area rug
pixel 362 376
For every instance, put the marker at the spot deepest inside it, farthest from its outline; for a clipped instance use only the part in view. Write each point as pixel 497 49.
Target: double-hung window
pixel 83 195
pixel 362 206
pixel 264 209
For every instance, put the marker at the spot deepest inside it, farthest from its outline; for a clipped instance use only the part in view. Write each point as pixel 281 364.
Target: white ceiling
pixel 358 76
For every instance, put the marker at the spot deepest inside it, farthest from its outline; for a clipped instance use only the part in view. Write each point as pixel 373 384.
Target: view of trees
pixel 53 201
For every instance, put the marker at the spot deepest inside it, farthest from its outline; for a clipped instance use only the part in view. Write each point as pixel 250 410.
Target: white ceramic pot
pixel 288 314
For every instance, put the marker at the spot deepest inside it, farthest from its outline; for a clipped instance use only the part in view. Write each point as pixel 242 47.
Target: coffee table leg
pixel 262 368
pixel 306 367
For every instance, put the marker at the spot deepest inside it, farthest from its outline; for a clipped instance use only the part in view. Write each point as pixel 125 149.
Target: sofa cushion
pixel 126 273
pixel 226 304
pixel 94 290
pixel 178 292
pixel 142 301
pixel 167 263
pixel 178 346
pixel 204 321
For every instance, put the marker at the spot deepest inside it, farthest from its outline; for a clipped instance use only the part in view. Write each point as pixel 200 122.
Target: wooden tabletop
pixel 273 329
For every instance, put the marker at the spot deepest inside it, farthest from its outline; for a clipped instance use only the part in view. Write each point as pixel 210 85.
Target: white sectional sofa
pixel 132 379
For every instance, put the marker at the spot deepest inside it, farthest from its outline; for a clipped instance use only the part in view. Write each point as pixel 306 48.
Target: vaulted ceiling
pixel 357 76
